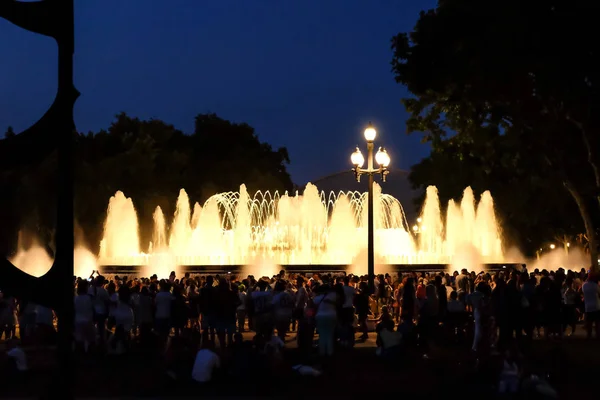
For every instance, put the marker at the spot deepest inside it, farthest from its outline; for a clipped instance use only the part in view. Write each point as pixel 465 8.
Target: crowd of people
pixel 490 311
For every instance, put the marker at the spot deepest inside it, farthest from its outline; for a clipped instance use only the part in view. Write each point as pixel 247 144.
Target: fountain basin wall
pixel 236 269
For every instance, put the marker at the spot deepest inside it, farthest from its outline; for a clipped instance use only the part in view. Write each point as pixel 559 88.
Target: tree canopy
pixel 507 94
pixel 150 161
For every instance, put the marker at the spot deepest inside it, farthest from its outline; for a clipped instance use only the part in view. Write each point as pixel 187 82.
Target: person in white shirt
pixel 509 377
pixel 283 306
pixel 101 301
pixel 591 298
pixel 84 316
pixel 206 363
pixel 262 303
pixel 273 351
pixel 123 322
pixel 124 314
pixel 326 319
pixel 163 302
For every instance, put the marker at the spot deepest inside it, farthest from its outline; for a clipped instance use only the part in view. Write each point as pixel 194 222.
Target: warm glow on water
pixel 36 261
pixel 267 230
pixel 316 228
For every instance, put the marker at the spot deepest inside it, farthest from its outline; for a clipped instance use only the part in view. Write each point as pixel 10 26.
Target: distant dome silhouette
pixel 397 185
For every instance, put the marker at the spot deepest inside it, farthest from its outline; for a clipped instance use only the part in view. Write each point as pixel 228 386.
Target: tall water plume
pixel 159 236
pixel 342 231
pixel 206 244
pixel 488 241
pixel 121 240
pixel 472 234
pixel 179 241
pixel 431 229
pixel 453 227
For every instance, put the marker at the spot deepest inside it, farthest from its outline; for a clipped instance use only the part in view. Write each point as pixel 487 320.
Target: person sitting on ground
pixel 123 315
pixel 207 362
pixel 385 316
pixel 242 358
pixel 388 341
pixel 511 372
pixel 17 360
pixel 273 352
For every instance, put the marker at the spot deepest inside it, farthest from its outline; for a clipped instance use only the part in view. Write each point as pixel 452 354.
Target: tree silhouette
pixel 492 73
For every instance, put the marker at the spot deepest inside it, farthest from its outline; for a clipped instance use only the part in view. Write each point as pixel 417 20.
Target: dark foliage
pixel 507 94
pixel 150 161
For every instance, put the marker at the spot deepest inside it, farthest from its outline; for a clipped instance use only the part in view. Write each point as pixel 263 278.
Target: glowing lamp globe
pixel 357 158
pixel 382 157
pixel 370 133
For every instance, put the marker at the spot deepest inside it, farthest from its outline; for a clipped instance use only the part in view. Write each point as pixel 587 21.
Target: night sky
pixel 308 75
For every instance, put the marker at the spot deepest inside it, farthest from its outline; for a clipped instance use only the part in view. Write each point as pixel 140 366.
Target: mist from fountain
pixel 35 261
pixel 235 228
pixel 262 232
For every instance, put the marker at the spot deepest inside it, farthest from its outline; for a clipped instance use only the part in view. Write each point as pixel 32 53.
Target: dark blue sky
pixel 307 75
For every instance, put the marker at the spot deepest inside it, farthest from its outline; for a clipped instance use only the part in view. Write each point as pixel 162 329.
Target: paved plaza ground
pixel 571 365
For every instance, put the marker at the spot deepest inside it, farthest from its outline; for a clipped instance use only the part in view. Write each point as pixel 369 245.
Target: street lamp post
pixel 383 160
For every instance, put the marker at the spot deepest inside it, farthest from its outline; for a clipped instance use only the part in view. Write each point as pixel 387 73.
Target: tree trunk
pixel 592 161
pixel 587 221
pixel 587 133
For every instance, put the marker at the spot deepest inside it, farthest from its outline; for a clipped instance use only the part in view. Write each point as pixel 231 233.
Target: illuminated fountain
pixel 315 228
pixel 36 261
